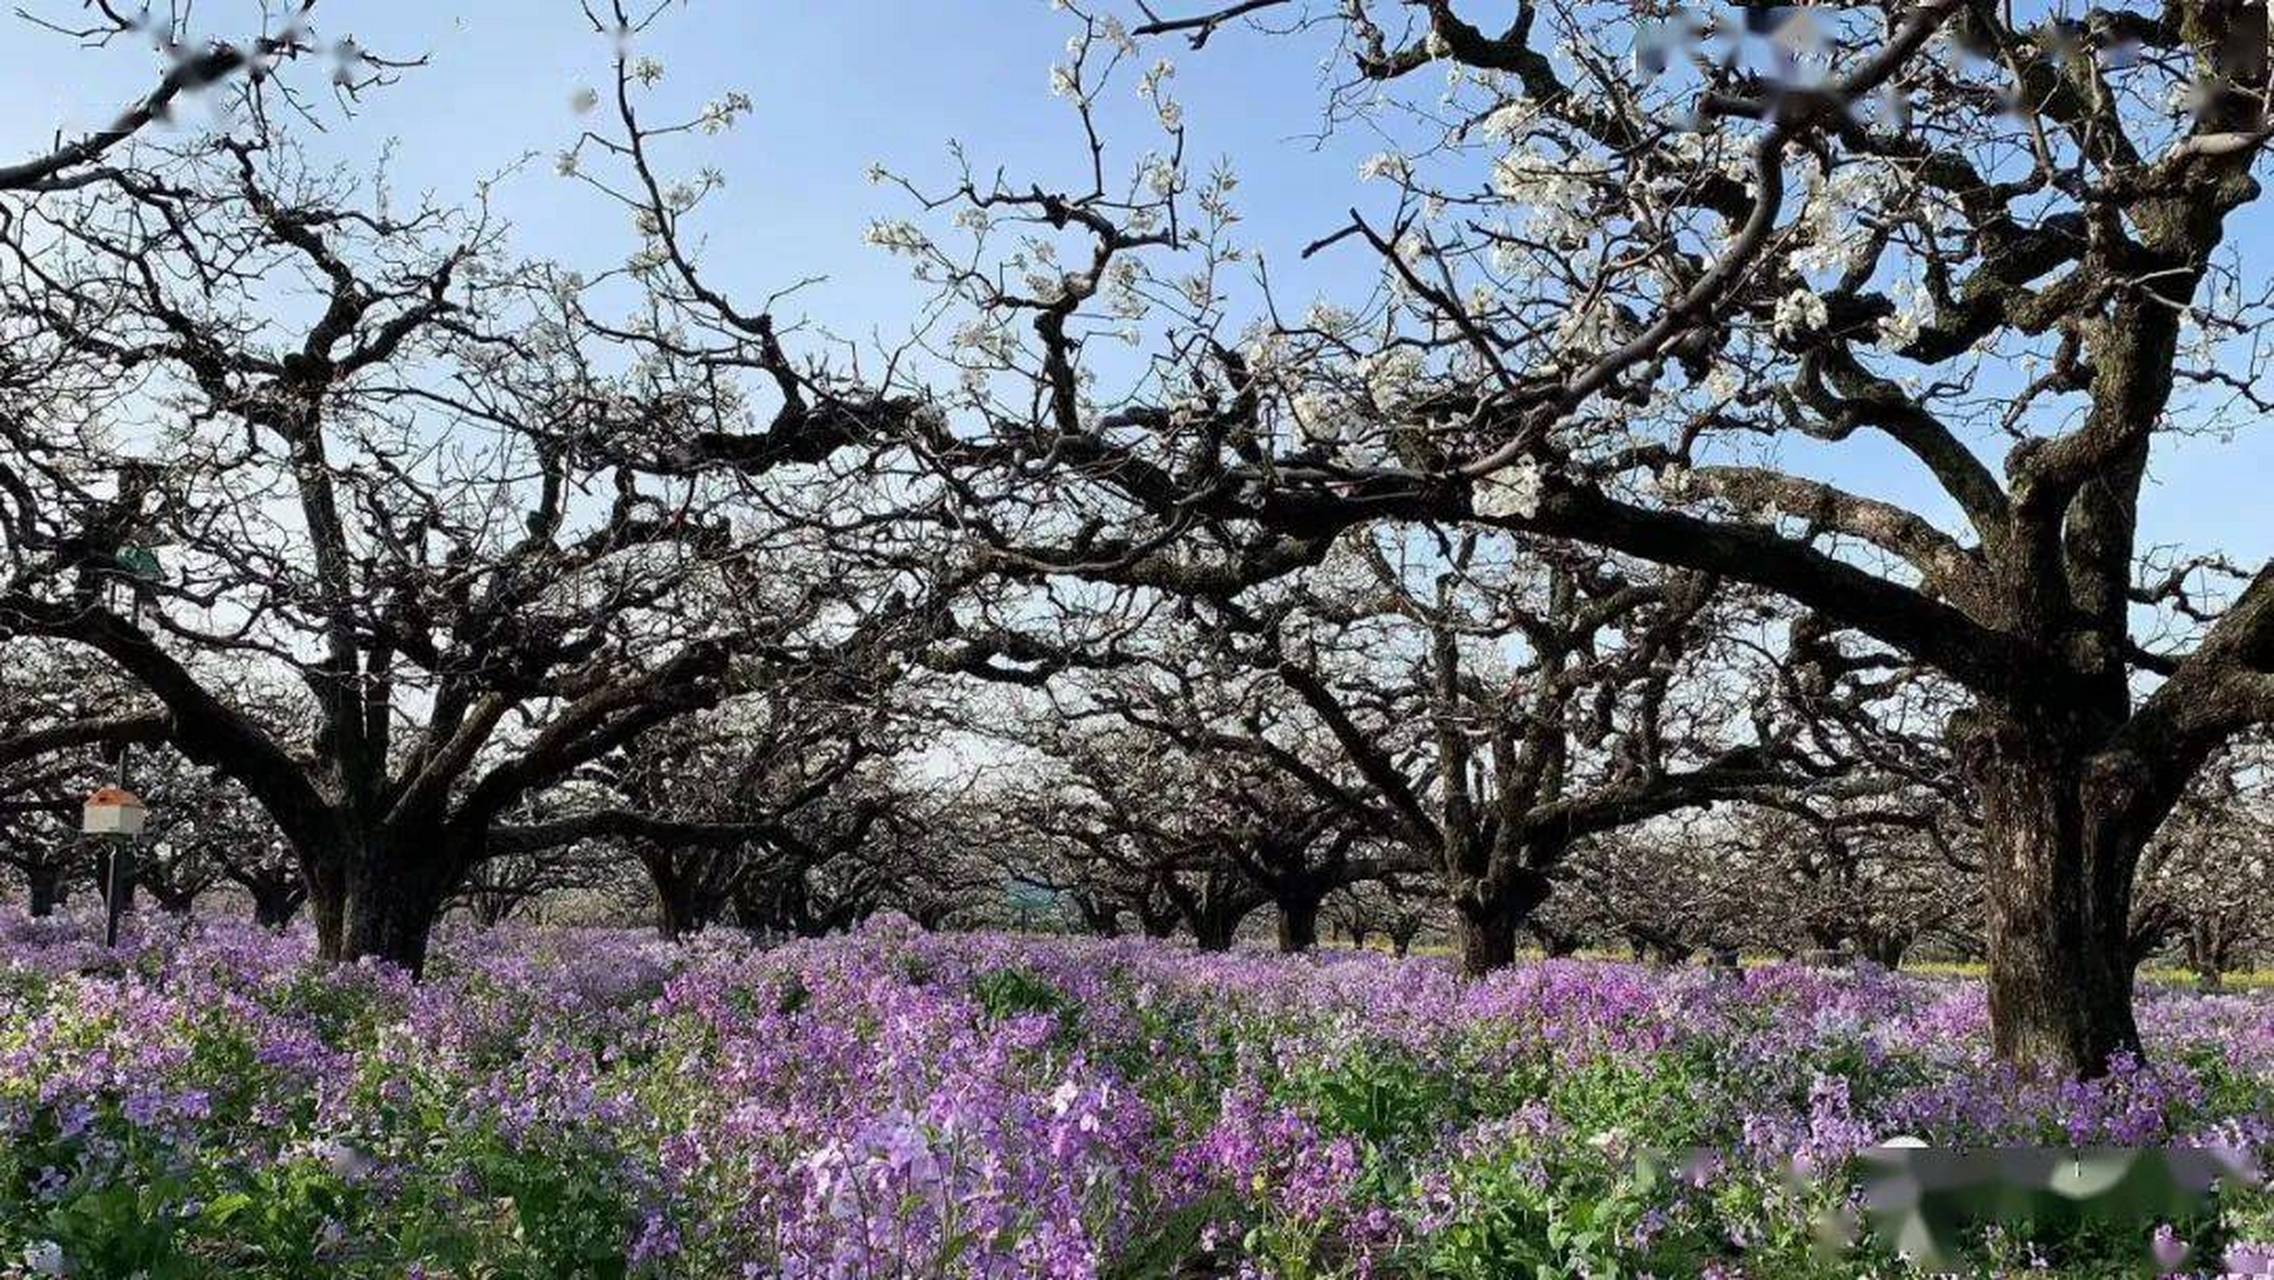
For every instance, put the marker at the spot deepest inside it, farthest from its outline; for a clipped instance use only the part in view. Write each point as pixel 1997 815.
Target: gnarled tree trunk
pixel 2210 949
pixel 2061 852
pixel 1886 947
pixel 1100 917
pixel 1490 912
pixel 677 915
pixel 49 885
pixel 1213 930
pixel 379 896
pixel 1487 939
pixel 275 903
pixel 687 899
pixel 1299 918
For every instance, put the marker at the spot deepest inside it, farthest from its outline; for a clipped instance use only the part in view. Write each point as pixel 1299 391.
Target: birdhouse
pixel 113 811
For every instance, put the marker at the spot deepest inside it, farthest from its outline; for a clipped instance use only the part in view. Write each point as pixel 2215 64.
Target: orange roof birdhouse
pixel 113 811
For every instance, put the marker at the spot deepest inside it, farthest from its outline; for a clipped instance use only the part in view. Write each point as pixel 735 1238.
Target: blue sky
pixel 840 84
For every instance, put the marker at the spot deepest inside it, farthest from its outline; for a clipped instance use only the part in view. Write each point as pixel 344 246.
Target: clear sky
pixel 840 84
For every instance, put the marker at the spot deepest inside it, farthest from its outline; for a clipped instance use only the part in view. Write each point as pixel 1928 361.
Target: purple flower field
pixel 894 1104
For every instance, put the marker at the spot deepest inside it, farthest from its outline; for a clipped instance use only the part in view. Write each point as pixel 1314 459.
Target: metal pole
pixel 114 897
pixel 111 908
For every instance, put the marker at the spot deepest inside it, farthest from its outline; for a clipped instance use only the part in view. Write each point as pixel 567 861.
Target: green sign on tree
pixel 141 562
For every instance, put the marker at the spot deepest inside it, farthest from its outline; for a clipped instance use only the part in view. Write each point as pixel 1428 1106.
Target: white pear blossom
pixel 1384 164
pixel 1913 309
pixel 1555 190
pixel 584 100
pixel 1832 208
pixel 898 236
pixel 719 116
pixel 1320 416
pixel 1329 319
pixel 1510 119
pixel 647 71
pixel 1513 492
pixel 1149 86
pixel 1265 354
pixel 1800 311
pixel 1391 375
pixel 1591 330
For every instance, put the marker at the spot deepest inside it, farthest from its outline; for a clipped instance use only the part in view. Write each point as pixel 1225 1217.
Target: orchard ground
pixel 210 1101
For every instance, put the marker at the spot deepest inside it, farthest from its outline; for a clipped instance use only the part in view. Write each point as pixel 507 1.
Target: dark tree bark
pixel 2210 942
pixel 1487 938
pixel 690 895
pixel 1555 943
pixel 1659 948
pixel 50 885
pixel 1214 932
pixel 1886 947
pixel 276 902
pixel 80 160
pixel 1213 902
pixel 2065 821
pixel 173 899
pixel 386 904
pixel 677 914
pixel 1492 911
pixel 1299 921
pixel 1402 933
pixel 1101 917
pixel 452 676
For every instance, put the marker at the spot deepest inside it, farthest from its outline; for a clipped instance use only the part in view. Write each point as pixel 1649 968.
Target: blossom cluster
pixel 208 1100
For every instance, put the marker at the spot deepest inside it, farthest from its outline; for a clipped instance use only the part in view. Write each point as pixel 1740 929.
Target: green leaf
pixel 222 1208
